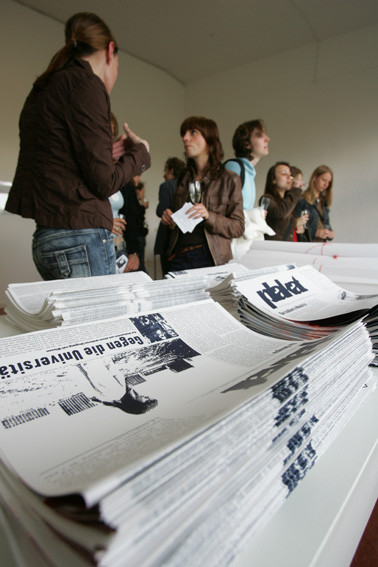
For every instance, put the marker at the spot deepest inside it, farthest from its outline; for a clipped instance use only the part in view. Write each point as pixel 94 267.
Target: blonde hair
pixel 327 195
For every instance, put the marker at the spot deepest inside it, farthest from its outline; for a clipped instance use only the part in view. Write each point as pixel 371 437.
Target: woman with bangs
pixel 68 165
pixel 220 205
pixel 317 199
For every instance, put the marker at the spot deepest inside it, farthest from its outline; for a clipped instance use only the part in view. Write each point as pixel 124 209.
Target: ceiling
pixel 190 39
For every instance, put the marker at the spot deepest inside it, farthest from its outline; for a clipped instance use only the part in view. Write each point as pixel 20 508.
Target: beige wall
pixel 319 103
pixel 320 106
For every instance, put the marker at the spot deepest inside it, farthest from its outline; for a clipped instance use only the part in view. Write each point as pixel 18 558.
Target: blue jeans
pixel 63 253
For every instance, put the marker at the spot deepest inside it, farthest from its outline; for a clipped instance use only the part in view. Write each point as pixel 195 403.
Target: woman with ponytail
pixel 68 166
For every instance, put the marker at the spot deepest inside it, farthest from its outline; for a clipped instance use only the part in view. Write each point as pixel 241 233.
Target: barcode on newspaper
pixel 25 417
pixel 76 403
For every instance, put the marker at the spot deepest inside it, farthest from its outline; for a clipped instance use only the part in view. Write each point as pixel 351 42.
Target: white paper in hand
pixel 182 220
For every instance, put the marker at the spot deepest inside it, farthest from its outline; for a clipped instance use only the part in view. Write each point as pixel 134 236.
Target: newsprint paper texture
pixel 66 426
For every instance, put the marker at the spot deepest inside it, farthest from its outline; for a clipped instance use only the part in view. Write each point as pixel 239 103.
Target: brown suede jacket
pixel 65 172
pixel 223 199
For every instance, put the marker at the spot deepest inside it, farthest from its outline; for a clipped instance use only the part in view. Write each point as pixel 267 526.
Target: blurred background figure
pixel 297 177
pixel 317 200
pixel 133 211
pixel 302 219
pixel 283 199
pixel 123 254
pixel 172 170
pixel 142 225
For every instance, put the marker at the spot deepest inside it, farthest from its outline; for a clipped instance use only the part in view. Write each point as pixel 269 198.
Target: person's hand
pixel 132 264
pixel 198 211
pixel 119 147
pixel 118 226
pixel 325 234
pixel 133 138
pixel 126 141
pixel 330 234
pixel 301 223
pixel 167 218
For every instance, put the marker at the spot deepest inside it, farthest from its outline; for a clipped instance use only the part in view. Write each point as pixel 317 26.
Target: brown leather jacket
pixel 65 172
pixel 223 199
pixel 280 215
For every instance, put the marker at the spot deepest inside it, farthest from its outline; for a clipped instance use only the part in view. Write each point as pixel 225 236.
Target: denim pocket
pixel 68 263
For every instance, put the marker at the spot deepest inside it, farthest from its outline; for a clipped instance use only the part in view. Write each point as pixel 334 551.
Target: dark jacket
pixel 65 171
pixel 223 199
pixel 313 221
pixel 166 196
pixel 134 214
pixel 280 215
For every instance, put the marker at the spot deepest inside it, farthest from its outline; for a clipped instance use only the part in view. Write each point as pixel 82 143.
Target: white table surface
pixel 322 521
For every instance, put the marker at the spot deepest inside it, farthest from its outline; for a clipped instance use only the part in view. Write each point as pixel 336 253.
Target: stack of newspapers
pixel 298 304
pixel 44 305
pixel 167 437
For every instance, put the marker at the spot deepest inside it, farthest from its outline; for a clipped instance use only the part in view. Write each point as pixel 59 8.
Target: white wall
pixel 147 98
pixel 320 107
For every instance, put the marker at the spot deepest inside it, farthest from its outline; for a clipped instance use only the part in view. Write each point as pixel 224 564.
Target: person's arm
pixel 88 121
pixel 283 208
pixel 226 217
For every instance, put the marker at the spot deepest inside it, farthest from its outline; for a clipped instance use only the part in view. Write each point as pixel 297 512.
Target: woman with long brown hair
pixel 219 205
pixel 317 199
pixel 283 198
pixel 66 171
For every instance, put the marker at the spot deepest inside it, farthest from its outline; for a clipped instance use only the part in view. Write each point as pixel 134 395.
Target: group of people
pixel 296 213
pixel 227 202
pixel 81 182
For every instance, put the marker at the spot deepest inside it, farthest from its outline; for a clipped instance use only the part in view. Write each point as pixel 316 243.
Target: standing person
pixel 172 169
pixel 283 198
pixel 133 210
pixel 250 143
pixel 143 225
pixel 297 177
pixel 317 199
pixel 65 172
pixel 300 231
pixel 127 259
pixel 220 206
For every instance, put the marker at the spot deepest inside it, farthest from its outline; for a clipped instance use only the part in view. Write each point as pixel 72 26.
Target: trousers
pixel 64 253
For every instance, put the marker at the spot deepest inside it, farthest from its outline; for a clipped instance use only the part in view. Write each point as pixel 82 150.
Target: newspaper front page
pixel 189 365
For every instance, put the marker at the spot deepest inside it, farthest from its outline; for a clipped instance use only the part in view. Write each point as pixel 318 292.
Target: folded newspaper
pixel 295 305
pixel 167 437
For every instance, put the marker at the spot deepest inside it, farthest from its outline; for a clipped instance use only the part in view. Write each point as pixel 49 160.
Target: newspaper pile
pixel 44 305
pixel 164 438
pixel 300 304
